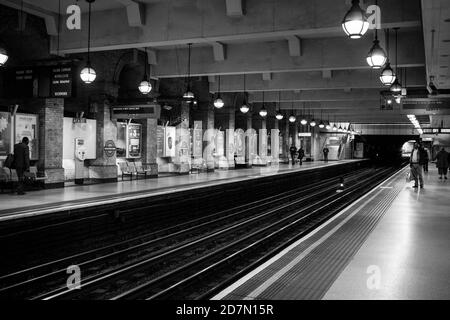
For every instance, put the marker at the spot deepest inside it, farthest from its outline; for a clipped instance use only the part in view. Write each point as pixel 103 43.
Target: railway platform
pixel 41 202
pixel 390 244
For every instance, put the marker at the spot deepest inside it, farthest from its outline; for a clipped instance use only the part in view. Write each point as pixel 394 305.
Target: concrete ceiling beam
pixel 295 46
pixel 262 57
pixel 178 22
pixel 290 81
pixel 219 51
pixel 135 12
pixel 315 96
pixel 234 8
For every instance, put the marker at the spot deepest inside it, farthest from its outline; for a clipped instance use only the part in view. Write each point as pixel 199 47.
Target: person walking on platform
pixel 325 154
pixel 21 162
pixel 301 155
pixel 293 151
pixel 442 163
pixel 424 158
pixel 416 168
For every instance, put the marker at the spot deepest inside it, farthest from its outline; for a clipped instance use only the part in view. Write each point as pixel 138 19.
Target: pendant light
pixel 396 87
pixel 312 123
pixel 189 95
pixel 292 118
pixel 377 56
pixel 88 74
pixel 355 22
pixel 404 88
pixel 218 103
pixel 279 115
pixel 145 86
pixel 328 125
pixel 245 108
pixel 387 76
pixel 3 56
pixel 304 122
pixel 263 111
pixel 321 124
pixel 335 128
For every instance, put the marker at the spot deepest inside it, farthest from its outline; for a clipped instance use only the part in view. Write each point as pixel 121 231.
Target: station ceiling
pixel 292 50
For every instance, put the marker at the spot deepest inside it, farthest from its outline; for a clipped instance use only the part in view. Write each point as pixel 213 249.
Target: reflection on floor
pixel 407 255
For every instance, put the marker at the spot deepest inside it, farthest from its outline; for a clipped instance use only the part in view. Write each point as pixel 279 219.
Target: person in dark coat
pixel 301 155
pixel 325 154
pixel 424 158
pixel 21 162
pixel 293 151
pixel 442 163
pixel 416 168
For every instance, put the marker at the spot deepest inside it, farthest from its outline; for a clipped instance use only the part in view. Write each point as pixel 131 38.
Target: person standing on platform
pixel 21 162
pixel 293 151
pixel 301 155
pixel 442 163
pixel 325 154
pixel 424 158
pixel 416 168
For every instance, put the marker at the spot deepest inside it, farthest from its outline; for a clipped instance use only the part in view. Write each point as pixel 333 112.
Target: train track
pixel 26 282
pixel 164 264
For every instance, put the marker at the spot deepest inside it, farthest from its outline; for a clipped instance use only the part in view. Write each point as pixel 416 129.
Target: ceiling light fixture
pixel 355 22
pixel 244 108
pixel 3 56
pixel 88 74
pixel 387 76
pixel 263 111
pixel 145 86
pixel 396 86
pixel 189 95
pixel 376 57
pixel 218 103
pixel 279 115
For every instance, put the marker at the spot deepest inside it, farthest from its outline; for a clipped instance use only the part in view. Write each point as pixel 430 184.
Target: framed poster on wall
pixel 169 142
pixel 134 140
pixel 160 141
pixel 5 134
pixel 26 125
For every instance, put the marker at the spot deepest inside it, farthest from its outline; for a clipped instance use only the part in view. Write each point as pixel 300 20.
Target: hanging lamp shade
pixel 387 76
pixel 328 126
pixel 145 87
pixel 396 86
pixel 292 118
pixel 304 122
pixel 376 57
pixel 312 123
pixel 279 115
pixel 263 112
pixel 189 95
pixel 321 124
pixel 218 103
pixel 355 22
pixel 3 56
pixel 244 108
pixel 88 74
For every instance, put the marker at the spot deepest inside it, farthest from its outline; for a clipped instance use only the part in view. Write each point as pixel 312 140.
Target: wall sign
pixel 61 81
pixel 134 140
pixel 110 148
pixel 145 111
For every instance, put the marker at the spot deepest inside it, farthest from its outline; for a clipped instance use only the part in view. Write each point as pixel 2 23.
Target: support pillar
pixel 209 138
pixel 182 147
pixel 104 167
pixel 149 143
pixel 230 149
pixel 286 140
pixel 51 119
pixel 248 147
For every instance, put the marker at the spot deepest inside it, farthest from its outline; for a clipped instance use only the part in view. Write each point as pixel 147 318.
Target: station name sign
pixel 144 111
pixel 435 130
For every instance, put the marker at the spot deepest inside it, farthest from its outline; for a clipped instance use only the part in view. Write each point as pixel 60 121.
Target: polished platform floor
pixel 391 244
pixel 13 206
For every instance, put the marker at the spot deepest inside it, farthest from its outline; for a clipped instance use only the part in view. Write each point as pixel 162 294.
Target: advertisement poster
pixel 230 145
pixel 197 143
pixel 134 141
pixel 160 141
pixel 169 142
pixel 85 131
pixel 263 143
pixel 5 134
pixel 239 143
pixel 182 145
pixel 220 143
pixel 27 126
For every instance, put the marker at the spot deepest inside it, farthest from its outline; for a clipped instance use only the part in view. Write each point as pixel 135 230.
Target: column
pixel 51 119
pixel 104 167
pixel 183 140
pixel 149 142
pixel 286 140
pixel 230 137
pixel 248 138
pixel 209 137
